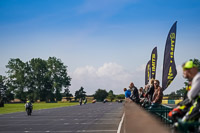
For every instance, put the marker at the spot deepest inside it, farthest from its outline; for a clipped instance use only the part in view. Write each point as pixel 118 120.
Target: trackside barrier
pixel 138 120
pixel 183 127
pixel 162 112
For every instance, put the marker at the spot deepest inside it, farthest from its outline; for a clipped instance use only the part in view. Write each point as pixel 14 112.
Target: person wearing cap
pixel 190 71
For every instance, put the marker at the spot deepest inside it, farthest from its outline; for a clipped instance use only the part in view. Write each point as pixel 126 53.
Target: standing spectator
pixel 158 94
pixel 150 90
pixel 145 101
pixel 134 93
pixel 141 93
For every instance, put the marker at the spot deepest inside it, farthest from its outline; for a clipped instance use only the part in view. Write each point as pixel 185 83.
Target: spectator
pixel 150 90
pixel 134 93
pixel 127 94
pixel 141 93
pixel 158 94
pixel 144 101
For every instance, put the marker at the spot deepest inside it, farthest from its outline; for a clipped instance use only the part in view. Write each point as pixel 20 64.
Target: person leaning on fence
pixel 127 95
pixel 141 93
pixel 149 93
pixel 134 94
pixel 144 101
pixel 190 70
pixel 150 90
pixel 158 95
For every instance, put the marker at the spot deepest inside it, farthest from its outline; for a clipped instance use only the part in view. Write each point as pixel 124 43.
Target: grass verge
pixel 19 107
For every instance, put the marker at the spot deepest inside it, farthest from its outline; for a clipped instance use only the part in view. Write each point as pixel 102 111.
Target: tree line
pixel 36 79
pixel 42 80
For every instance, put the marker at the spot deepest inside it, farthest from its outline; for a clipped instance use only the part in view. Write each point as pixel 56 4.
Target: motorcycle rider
pixel 29 105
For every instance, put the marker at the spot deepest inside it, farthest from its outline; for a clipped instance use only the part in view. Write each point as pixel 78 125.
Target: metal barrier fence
pixel 183 127
pixel 162 112
pixel 188 127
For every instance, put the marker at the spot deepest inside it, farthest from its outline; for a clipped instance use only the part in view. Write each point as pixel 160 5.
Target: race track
pixel 93 118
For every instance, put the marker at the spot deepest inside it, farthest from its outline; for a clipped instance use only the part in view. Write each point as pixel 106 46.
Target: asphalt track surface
pixel 92 118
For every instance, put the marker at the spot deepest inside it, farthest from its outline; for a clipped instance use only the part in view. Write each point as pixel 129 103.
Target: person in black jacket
pixel 146 101
pixel 134 93
pixel 141 93
pixel 150 90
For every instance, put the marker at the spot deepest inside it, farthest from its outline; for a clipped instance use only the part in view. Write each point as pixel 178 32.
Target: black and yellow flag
pixel 153 63
pixel 147 72
pixel 169 66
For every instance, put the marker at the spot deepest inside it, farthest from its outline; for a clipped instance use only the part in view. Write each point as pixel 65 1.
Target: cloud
pixel 110 76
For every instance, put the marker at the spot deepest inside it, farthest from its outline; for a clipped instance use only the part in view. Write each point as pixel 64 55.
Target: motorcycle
pixel 29 111
pixel 29 108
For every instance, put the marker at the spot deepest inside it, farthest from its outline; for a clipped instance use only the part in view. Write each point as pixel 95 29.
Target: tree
pixel 2 90
pixel 172 96
pixel 17 78
pixel 120 96
pixel 37 79
pixel 100 94
pixel 181 92
pixel 68 94
pixel 58 74
pixel 39 84
pixel 111 96
pixel 197 62
pixel 80 93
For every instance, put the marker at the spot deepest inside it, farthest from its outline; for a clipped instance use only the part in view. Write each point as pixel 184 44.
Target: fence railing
pixel 162 112
pixel 184 127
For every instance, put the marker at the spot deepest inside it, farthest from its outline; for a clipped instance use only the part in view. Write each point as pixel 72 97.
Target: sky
pixel 105 43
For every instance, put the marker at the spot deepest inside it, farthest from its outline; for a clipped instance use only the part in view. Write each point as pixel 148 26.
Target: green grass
pixel 19 107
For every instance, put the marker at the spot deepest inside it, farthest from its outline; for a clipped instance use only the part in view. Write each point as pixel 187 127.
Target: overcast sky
pixel 105 43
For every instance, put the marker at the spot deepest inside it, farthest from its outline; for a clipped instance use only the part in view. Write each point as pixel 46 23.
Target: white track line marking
pixel 120 124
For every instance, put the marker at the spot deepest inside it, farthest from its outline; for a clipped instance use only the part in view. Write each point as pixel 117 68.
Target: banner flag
pixel 153 63
pixel 169 66
pixel 147 72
